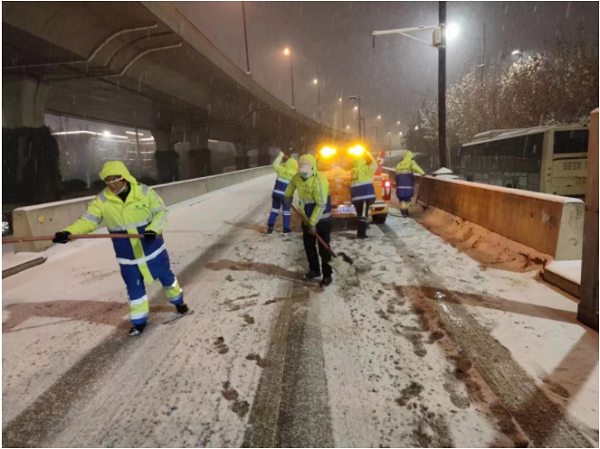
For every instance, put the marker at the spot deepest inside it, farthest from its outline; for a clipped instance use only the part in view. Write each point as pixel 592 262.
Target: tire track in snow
pixel 291 405
pixel 46 415
pixel 542 420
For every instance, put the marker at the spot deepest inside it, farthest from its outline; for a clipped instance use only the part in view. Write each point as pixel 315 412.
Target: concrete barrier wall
pixel 48 218
pixel 550 224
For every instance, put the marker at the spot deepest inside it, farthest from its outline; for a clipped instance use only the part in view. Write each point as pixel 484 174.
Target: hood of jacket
pixel 117 168
pixel 408 156
pixel 291 165
pixel 360 162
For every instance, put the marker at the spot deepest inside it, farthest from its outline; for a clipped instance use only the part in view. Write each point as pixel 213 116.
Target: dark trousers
pixel 310 246
pixel 362 215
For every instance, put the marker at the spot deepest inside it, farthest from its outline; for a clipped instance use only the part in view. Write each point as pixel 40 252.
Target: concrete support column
pixel 241 156
pixel 167 159
pixel 587 311
pixel 23 102
pixel 264 158
pixel 199 157
pixel 27 143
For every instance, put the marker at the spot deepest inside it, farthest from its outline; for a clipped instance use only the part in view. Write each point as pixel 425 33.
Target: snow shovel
pixel 345 257
pixel 71 237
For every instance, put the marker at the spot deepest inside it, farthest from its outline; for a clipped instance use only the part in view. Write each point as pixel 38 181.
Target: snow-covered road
pixel 419 346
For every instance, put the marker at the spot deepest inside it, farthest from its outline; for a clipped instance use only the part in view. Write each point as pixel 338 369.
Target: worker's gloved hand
pixel 150 235
pixel 311 229
pixel 61 237
pixel 287 200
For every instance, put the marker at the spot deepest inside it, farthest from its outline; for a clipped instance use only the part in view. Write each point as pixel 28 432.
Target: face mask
pixel 122 189
pixel 305 176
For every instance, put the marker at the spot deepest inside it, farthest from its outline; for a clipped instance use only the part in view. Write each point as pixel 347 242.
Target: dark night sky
pixel 332 41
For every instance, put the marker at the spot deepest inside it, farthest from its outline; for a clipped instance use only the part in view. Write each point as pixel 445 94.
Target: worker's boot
pixel 287 231
pixel 182 309
pixel 270 230
pixel 326 282
pixel 404 212
pixel 312 275
pixel 362 230
pixel 137 329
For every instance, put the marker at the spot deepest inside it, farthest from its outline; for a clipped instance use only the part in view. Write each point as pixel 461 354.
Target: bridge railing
pixel 550 224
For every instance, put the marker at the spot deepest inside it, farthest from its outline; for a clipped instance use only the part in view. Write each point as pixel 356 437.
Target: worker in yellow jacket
pixel 362 191
pixel 128 207
pixel 315 204
pixel 404 180
pixel 285 172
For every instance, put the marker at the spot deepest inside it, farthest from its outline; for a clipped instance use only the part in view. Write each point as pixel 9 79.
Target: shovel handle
pixel 327 247
pixel 71 237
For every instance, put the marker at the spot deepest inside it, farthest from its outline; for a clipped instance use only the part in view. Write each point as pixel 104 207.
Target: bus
pixel 547 159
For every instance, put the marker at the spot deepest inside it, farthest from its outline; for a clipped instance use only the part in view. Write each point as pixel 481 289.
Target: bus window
pixel 574 141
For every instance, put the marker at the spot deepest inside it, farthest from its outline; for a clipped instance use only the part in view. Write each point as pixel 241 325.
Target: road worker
pixel 404 180
pixel 362 191
pixel 315 205
pixel 128 207
pixel 285 172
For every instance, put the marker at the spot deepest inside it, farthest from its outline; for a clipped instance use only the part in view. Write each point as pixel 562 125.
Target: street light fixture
pixel 379 117
pixel 398 122
pixel 287 52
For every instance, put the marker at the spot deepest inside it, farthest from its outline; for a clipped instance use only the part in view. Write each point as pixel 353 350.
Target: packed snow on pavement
pixel 414 346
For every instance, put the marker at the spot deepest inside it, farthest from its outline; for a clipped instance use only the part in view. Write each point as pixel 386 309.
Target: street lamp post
pixel 442 87
pixel 376 129
pixel 246 39
pixel 316 82
pixel 440 33
pixel 357 98
pixel 287 52
pixel 341 101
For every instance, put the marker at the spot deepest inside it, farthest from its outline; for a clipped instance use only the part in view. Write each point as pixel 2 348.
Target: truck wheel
pixel 379 219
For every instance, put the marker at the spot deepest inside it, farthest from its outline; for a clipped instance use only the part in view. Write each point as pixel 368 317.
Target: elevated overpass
pixel 141 64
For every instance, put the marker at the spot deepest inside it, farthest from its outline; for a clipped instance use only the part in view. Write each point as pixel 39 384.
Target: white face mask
pixel 305 176
pixel 122 189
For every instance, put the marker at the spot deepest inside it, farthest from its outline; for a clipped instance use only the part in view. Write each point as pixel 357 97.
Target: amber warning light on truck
pixel 327 152
pixel 356 151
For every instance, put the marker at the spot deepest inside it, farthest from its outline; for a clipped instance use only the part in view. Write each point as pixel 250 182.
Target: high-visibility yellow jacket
pixel 285 173
pixel 408 164
pixel 404 176
pixel 143 210
pixel 361 180
pixel 315 200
